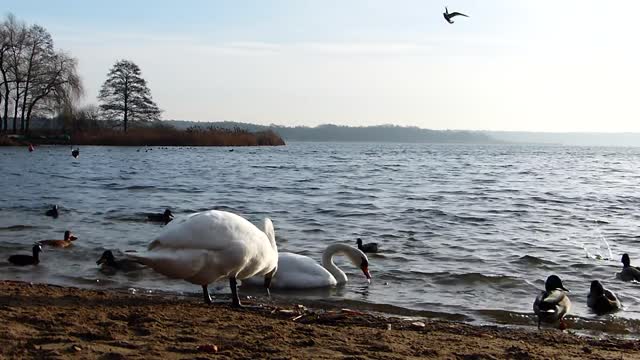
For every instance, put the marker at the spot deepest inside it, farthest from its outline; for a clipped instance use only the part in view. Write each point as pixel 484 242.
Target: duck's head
pixel 364 266
pixel 554 283
pixel 67 236
pixel 626 262
pixel 167 212
pixel 36 249
pixel 359 242
pixel 597 288
pixel 107 257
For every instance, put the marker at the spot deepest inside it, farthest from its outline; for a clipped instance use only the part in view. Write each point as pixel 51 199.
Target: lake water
pixel 466 231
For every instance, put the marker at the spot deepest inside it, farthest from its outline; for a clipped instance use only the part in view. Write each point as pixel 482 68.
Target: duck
pixel 601 300
pixel 53 212
pixel 23 260
pixel 75 153
pixel 212 246
pixel 297 271
pixel 68 238
pixel 553 303
pixel 367 248
pixel 165 217
pixel 628 273
pixel 447 15
pixel 109 262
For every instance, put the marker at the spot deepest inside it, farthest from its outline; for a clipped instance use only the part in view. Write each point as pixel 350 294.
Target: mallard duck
pixel 108 261
pixel 53 212
pixel 628 273
pixel 601 300
pixel 23 260
pixel 165 217
pixel 553 303
pixel 367 248
pixel 68 238
pixel 212 246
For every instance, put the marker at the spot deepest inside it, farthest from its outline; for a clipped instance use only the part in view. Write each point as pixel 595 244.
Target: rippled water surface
pixel 465 231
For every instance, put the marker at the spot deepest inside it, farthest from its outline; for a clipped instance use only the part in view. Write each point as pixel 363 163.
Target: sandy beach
pixel 52 322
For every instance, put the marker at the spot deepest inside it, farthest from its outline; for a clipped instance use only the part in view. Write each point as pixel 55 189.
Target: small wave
pixel 446 278
pixel 532 260
pixel 18 227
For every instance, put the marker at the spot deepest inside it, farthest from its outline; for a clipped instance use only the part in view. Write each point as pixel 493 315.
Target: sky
pixel 520 65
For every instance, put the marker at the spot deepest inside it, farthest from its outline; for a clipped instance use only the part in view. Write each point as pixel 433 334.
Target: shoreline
pixel 49 321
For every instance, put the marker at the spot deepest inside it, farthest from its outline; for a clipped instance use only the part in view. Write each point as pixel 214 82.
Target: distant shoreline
pixel 151 137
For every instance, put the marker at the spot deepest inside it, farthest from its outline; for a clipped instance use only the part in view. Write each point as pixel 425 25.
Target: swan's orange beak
pixel 366 272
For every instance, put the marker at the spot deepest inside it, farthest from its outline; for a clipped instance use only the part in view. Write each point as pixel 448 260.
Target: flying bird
pixel 448 16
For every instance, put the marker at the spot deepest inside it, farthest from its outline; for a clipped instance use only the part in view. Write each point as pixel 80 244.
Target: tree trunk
pixel 6 101
pixel 15 115
pixel 6 108
pixel 126 103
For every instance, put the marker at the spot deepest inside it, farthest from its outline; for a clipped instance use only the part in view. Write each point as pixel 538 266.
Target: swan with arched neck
pixel 302 272
pixel 212 246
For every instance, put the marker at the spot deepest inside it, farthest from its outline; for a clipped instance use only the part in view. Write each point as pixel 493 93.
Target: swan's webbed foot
pixel 207 297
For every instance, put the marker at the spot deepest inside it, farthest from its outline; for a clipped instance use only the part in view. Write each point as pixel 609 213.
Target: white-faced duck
pixel 109 262
pixel 23 260
pixel 53 212
pixel 165 217
pixel 601 300
pixel 628 273
pixel 75 153
pixel 367 248
pixel 553 303
pixel 66 242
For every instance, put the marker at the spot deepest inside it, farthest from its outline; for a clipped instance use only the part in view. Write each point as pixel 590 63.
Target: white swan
pixel 302 272
pixel 213 245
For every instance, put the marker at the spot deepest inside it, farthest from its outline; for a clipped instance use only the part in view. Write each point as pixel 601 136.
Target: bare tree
pixel 125 95
pixel 35 78
pixel 57 86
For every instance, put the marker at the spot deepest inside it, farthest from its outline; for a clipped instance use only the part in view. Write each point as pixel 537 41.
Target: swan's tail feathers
pixel 182 264
pixel 268 229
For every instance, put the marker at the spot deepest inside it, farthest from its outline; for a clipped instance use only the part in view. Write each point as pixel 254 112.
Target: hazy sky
pixel 513 65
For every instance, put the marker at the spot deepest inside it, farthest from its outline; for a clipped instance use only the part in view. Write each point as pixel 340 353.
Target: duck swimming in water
pixel 23 260
pixel 108 261
pixel 628 273
pixel 601 300
pixel 165 217
pixel 75 153
pixel 553 303
pixel 53 212
pixel 68 238
pixel 367 248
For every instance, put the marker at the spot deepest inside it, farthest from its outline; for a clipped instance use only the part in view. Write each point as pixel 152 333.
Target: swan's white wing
pixel 209 230
pixel 211 245
pixel 297 272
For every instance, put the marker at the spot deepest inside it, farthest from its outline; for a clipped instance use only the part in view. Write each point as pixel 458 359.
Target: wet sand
pixel 45 321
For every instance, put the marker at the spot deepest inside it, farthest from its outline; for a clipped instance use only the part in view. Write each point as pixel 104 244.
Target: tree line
pixel 38 80
pixel 35 78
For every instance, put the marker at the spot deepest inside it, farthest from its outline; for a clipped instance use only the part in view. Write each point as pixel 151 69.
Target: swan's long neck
pixel 327 260
pixel 268 229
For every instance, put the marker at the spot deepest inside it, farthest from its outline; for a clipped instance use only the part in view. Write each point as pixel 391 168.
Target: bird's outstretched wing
pixel 455 13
